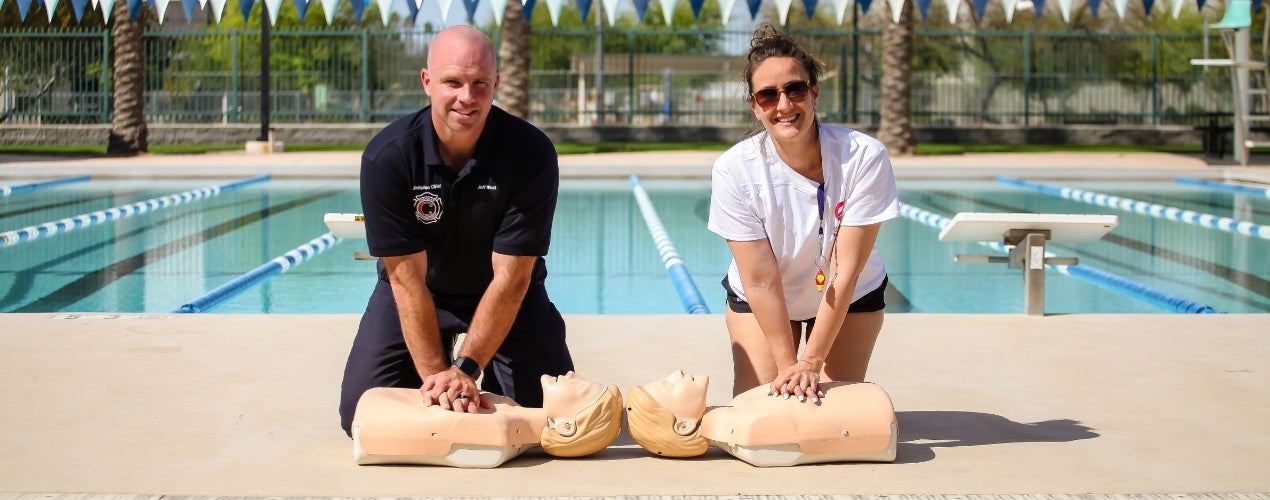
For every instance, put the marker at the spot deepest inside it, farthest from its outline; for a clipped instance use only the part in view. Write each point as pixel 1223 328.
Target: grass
pixel 950 149
pixel 627 147
pixel 611 147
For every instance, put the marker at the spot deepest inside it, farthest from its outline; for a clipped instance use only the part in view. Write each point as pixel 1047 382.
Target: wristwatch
pixel 468 366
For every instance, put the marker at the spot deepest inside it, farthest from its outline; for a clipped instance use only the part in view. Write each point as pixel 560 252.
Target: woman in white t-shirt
pixel 800 204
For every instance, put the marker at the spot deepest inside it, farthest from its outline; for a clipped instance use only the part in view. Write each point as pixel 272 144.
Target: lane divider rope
pixel 66 225
pixel 1140 207
pixel 689 295
pixel 35 186
pixel 1225 186
pixel 278 265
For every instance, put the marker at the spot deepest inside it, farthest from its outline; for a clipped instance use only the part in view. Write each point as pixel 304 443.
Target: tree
pixel 129 135
pixel 896 127
pixel 514 59
pixel 571 40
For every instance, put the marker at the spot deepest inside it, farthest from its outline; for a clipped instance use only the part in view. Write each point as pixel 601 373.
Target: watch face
pixel 467 366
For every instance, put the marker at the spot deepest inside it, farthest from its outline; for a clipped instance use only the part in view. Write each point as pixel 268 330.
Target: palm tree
pixel 513 55
pixel 896 127
pixel 128 132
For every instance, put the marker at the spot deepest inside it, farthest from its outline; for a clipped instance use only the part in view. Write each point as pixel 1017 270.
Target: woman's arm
pixel 761 279
pixel 850 253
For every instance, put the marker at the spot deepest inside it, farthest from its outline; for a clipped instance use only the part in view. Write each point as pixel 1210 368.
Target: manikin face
pixel 793 113
pixel 460 79
pixel 565 396
pixel 683 394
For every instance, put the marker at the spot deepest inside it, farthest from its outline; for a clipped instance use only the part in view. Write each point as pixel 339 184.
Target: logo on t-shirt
pixel 428 208
pixel 837 209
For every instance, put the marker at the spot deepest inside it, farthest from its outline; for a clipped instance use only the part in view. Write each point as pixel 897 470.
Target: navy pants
pixel 534 347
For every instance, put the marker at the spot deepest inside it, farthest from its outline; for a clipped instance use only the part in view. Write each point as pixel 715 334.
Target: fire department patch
pixel 428 208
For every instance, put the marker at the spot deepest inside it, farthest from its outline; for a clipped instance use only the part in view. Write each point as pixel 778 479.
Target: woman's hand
pixel 801 379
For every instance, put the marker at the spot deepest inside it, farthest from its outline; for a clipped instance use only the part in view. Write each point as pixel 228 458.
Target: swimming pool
pixel 602 258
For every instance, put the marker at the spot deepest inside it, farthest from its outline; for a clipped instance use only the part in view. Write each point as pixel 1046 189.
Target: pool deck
pixel 1075 406
pixel 683 164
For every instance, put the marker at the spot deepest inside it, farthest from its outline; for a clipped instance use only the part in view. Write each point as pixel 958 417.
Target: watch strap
pixel 468 366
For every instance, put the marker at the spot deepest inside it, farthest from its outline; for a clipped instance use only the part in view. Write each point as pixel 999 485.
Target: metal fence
pixel 330 76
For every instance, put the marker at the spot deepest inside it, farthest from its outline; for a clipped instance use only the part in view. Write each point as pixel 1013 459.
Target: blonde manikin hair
pixel 594 428
pixel 655 429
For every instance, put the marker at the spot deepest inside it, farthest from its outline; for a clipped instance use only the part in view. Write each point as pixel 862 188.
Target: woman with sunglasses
pixel 800 204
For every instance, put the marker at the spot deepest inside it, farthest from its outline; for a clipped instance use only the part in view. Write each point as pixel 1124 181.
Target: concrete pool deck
pixel 245 406
pixel 677 164
pixel 1114 406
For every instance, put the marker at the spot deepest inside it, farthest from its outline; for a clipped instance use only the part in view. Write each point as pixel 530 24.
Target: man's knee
pixel 346 420
pixel 350 393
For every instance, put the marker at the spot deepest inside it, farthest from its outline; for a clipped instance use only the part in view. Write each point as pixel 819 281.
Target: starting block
pixel 348 226
pixel 1026 236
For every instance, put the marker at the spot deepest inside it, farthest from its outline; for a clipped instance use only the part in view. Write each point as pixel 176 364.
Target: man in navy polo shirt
pixel 458 201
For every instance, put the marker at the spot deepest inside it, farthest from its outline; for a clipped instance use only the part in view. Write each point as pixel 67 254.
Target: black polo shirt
pixel 502 201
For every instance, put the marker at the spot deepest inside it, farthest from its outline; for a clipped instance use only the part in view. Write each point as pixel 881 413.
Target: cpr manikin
pixel 578 417
pixel 852 422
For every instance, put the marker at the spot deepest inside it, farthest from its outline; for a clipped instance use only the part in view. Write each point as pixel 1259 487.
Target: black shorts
pixel 871 302
pixel 535 346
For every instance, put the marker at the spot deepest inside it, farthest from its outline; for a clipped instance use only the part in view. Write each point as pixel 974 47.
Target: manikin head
pixel 665 416
pixel 583 417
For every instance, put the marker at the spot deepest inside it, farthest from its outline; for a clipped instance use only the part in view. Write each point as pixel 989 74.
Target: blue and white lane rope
pixel 66 225
pixel 1225 186
pixel 278 265
pixel 1151 209
pixel 687 289
pixel 1090 274
pixel 23 188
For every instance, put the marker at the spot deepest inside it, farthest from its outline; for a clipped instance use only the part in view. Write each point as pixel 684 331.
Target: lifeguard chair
pixel 1249 78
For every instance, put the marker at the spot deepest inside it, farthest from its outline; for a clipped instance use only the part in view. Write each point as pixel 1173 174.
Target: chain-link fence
pixel 690 77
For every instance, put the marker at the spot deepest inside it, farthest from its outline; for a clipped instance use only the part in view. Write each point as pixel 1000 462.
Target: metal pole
pixel 234 107
pixel 841 81
pixel 1242 52
pixel 1027 77
pixel 630 77
pixel 366 103
pixel 599 63
pixel 855 64
pixel 264 73
pixel 105 76
pixel 1032 253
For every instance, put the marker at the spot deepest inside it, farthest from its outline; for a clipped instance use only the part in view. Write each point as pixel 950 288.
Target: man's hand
pixel 452 390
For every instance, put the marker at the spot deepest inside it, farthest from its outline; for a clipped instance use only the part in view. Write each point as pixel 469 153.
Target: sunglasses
pixel 768 97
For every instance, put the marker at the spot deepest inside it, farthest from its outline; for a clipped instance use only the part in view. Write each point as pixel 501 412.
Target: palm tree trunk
pixel 513 56
pixel 128 132
pixel 896 127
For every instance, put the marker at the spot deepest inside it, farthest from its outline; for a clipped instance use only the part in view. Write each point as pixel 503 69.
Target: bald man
pixel 458 199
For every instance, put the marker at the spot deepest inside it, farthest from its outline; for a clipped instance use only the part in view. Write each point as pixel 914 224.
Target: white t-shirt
pixel 755 195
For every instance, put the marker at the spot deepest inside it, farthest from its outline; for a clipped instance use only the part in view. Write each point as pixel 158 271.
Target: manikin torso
pixel 392 425
pixel 852 422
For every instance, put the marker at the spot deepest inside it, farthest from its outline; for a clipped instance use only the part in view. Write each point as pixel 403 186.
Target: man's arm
pixel 498 307
pixel 493 319
pixel 418 315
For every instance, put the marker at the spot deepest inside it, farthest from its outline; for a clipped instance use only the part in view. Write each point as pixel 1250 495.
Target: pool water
pixel 603 260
